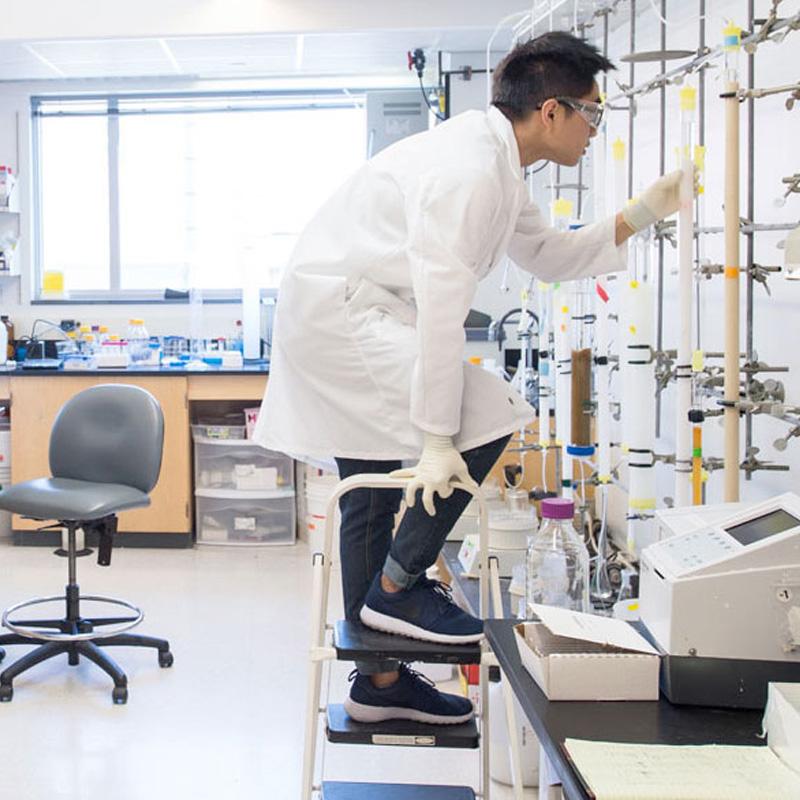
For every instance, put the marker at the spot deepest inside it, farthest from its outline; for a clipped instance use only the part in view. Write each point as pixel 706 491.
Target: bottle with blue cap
pixel 557 568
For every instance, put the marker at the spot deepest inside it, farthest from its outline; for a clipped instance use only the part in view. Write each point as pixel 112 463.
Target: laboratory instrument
pixel 721 599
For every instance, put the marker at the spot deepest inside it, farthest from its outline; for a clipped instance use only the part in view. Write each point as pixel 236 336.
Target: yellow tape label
pixel 642 503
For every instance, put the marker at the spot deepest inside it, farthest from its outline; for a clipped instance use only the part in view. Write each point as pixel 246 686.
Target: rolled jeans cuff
pixel 397 575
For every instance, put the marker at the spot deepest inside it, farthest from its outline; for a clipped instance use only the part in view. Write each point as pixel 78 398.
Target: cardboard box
pixel 782 722
pixel 574 656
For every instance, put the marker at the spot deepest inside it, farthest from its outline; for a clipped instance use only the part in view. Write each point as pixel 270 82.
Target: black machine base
pixel 721 682
pixel 335 790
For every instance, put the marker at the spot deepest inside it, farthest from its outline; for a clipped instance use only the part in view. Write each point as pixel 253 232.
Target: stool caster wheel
pixel 165 659
pixel 119 695
pixel 2 654
pixel 6 693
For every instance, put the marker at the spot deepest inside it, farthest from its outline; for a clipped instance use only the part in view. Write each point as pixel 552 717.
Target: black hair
pixel 553 64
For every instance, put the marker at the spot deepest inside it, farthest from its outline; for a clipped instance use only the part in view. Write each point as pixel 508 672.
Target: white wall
pixel 777 132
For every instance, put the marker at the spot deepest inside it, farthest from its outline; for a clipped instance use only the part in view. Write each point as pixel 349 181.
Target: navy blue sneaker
pixel 425 611
pixel 412 696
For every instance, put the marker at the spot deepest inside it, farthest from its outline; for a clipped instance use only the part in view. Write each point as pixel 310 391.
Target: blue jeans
pixel 366 544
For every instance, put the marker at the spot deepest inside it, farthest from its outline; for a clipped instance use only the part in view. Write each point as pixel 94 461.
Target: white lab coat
pixel 369 340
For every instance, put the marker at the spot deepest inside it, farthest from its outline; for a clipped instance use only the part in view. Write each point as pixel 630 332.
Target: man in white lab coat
pixel 367 362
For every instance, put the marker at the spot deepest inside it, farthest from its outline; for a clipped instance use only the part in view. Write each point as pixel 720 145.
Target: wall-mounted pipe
pixel 562 336
pixel 700 161
pixel 662 154
pixel 562 340
pixel 546 362
pixel 601 586
pixel 602 377
pixel 683 367
pixel 732 41
pixel 697 465
pixel 697 417
pixel 601 306
pixel 638 410
pixel 631 104
pixel 750 240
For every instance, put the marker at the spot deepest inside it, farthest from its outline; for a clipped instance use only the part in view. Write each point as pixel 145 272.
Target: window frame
pixel 266 100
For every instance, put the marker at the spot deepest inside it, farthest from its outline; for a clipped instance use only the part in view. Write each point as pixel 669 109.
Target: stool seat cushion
pixel 69 499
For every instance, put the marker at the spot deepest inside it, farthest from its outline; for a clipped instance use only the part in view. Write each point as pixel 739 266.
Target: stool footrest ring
pixel 125 623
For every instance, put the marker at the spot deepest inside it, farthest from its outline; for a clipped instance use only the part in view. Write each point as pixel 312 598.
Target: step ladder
pixel 348 641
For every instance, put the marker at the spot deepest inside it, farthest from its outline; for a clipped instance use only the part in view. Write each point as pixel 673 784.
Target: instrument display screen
pixel 754 530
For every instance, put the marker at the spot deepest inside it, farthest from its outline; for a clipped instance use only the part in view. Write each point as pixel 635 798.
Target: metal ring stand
pixel 107 630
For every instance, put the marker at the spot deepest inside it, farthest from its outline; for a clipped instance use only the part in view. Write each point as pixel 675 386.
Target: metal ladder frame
pixel 321 651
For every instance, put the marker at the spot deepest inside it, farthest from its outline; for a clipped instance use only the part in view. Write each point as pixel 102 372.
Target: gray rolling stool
pixel 105 457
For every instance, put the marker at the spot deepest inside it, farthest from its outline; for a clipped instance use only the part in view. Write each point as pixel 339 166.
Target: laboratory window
pixel 138 194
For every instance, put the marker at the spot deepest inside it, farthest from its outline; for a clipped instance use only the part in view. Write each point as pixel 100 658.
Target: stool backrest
pixel 112 433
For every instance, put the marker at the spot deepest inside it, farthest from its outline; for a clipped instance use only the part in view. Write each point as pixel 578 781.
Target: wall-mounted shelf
pixel 9 227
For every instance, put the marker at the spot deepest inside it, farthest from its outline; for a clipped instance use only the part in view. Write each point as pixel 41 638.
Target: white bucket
pixel 318 497
pixel 470 520
pixel 319 489
pixel 500 767
pixel 5 449
pixel 509 530
pixel 467 524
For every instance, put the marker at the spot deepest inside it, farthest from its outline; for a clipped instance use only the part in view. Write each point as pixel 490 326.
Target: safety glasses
pixel 591 112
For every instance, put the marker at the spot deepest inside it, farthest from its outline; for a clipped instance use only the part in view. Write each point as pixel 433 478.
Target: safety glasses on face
pixel 591 112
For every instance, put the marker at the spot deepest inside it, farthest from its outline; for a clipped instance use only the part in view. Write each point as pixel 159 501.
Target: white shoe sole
pixel 363 713
pixel 383 622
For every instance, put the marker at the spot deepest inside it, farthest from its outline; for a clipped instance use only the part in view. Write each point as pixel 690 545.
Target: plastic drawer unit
pixel 268 520
pixel 240 465
pixel 244 494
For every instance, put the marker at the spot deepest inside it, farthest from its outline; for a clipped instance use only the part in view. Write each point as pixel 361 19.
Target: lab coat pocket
pixel 316 354
pixel 366 295
pixel 382 327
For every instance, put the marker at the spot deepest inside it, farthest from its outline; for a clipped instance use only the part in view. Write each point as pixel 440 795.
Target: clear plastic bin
pixel 240 466
pixel 245 522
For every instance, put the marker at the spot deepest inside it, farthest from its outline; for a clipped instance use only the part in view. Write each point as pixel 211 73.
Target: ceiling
pixel 268 55
pixel 377 47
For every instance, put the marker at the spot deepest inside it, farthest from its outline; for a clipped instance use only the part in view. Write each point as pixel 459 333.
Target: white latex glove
pixel 659 201
pixel 439 464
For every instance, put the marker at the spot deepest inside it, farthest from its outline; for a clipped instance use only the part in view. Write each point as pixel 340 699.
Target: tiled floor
pixel 226 722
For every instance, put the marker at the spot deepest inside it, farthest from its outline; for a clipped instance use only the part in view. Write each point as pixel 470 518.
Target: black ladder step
pixel 399 732
pixel 336 790
pixel 355 642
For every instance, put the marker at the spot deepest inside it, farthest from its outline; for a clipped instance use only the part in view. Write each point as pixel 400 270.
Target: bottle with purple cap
pixel 558 562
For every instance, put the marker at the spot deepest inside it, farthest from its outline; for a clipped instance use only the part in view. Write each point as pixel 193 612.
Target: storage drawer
pixel 245 521
pixel 241 466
